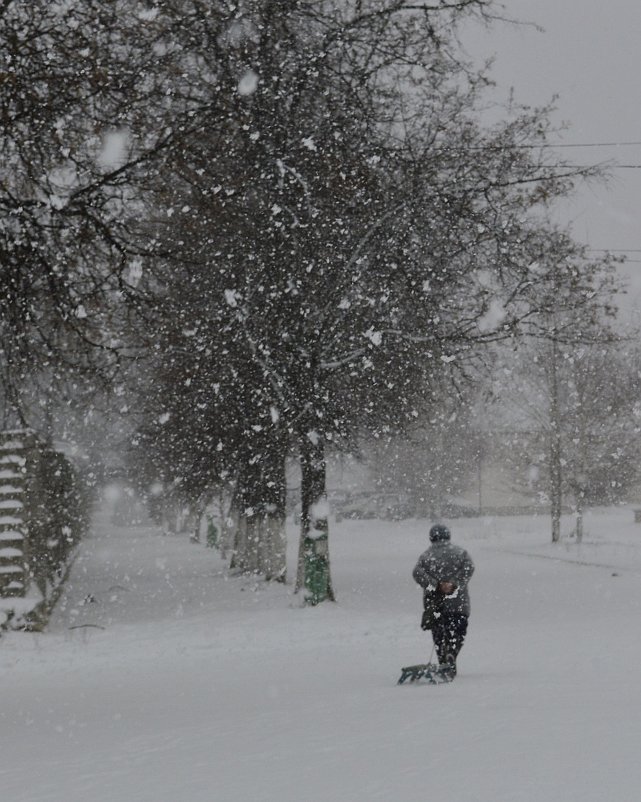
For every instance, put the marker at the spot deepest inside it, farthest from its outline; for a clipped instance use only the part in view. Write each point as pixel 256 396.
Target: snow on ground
pixel 161 679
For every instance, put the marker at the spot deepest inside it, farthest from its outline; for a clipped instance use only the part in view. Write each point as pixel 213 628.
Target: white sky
pixel 590 56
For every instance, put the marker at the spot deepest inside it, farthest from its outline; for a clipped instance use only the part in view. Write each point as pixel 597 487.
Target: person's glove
pixel 446 587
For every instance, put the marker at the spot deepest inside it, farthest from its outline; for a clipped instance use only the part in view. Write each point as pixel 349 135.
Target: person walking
pixel 443 571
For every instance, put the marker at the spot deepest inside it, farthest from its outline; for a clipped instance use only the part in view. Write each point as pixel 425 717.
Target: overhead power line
pixel 535 146
pixel 609 165
pixel 553 145
pixel 618 250
pixel 589 145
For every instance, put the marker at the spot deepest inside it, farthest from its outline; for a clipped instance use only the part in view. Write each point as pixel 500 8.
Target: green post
pixel 316 556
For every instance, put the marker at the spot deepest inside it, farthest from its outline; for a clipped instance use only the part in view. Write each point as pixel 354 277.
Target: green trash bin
pixel 316 568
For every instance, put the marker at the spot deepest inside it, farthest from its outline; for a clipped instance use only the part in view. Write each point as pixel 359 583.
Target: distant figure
pixel 443 572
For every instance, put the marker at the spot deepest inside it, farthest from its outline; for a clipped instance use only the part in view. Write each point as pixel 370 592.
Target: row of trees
pixel 555 423
pixel 574 409
pixel 283 223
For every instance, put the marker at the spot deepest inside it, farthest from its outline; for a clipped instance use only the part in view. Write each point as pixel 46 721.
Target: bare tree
pixel 573 396
pixel 337 226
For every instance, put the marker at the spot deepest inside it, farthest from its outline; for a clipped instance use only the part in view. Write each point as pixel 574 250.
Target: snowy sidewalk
pixel 161 679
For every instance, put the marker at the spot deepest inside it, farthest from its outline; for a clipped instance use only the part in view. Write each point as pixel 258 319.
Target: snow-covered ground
pixel 162 679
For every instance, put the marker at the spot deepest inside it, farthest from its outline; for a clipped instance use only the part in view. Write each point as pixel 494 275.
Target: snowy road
pixel 160 679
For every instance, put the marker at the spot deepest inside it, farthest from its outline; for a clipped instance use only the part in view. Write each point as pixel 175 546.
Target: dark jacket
pixel 445 562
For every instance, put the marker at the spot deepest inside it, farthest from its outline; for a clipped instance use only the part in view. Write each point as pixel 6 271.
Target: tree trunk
pixel 273 558
pixel 274 493
pixel 579 517
pixel 171 516
pixel 581 480
pixel 556 490
pixel 246 507
pixel 198 512
pixel 259 504
pixel 247 538
pixel 226 539
pixel 313 556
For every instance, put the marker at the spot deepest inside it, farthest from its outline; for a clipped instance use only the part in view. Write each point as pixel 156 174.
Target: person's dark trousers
pixel 449 635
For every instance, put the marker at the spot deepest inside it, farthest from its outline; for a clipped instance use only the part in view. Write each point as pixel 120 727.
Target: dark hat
pixel 439 532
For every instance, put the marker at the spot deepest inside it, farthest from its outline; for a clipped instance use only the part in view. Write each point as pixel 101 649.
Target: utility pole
pixel 556 467
pixel 480 477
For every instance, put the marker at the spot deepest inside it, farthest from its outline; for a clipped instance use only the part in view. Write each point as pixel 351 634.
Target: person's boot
pixel 448 666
